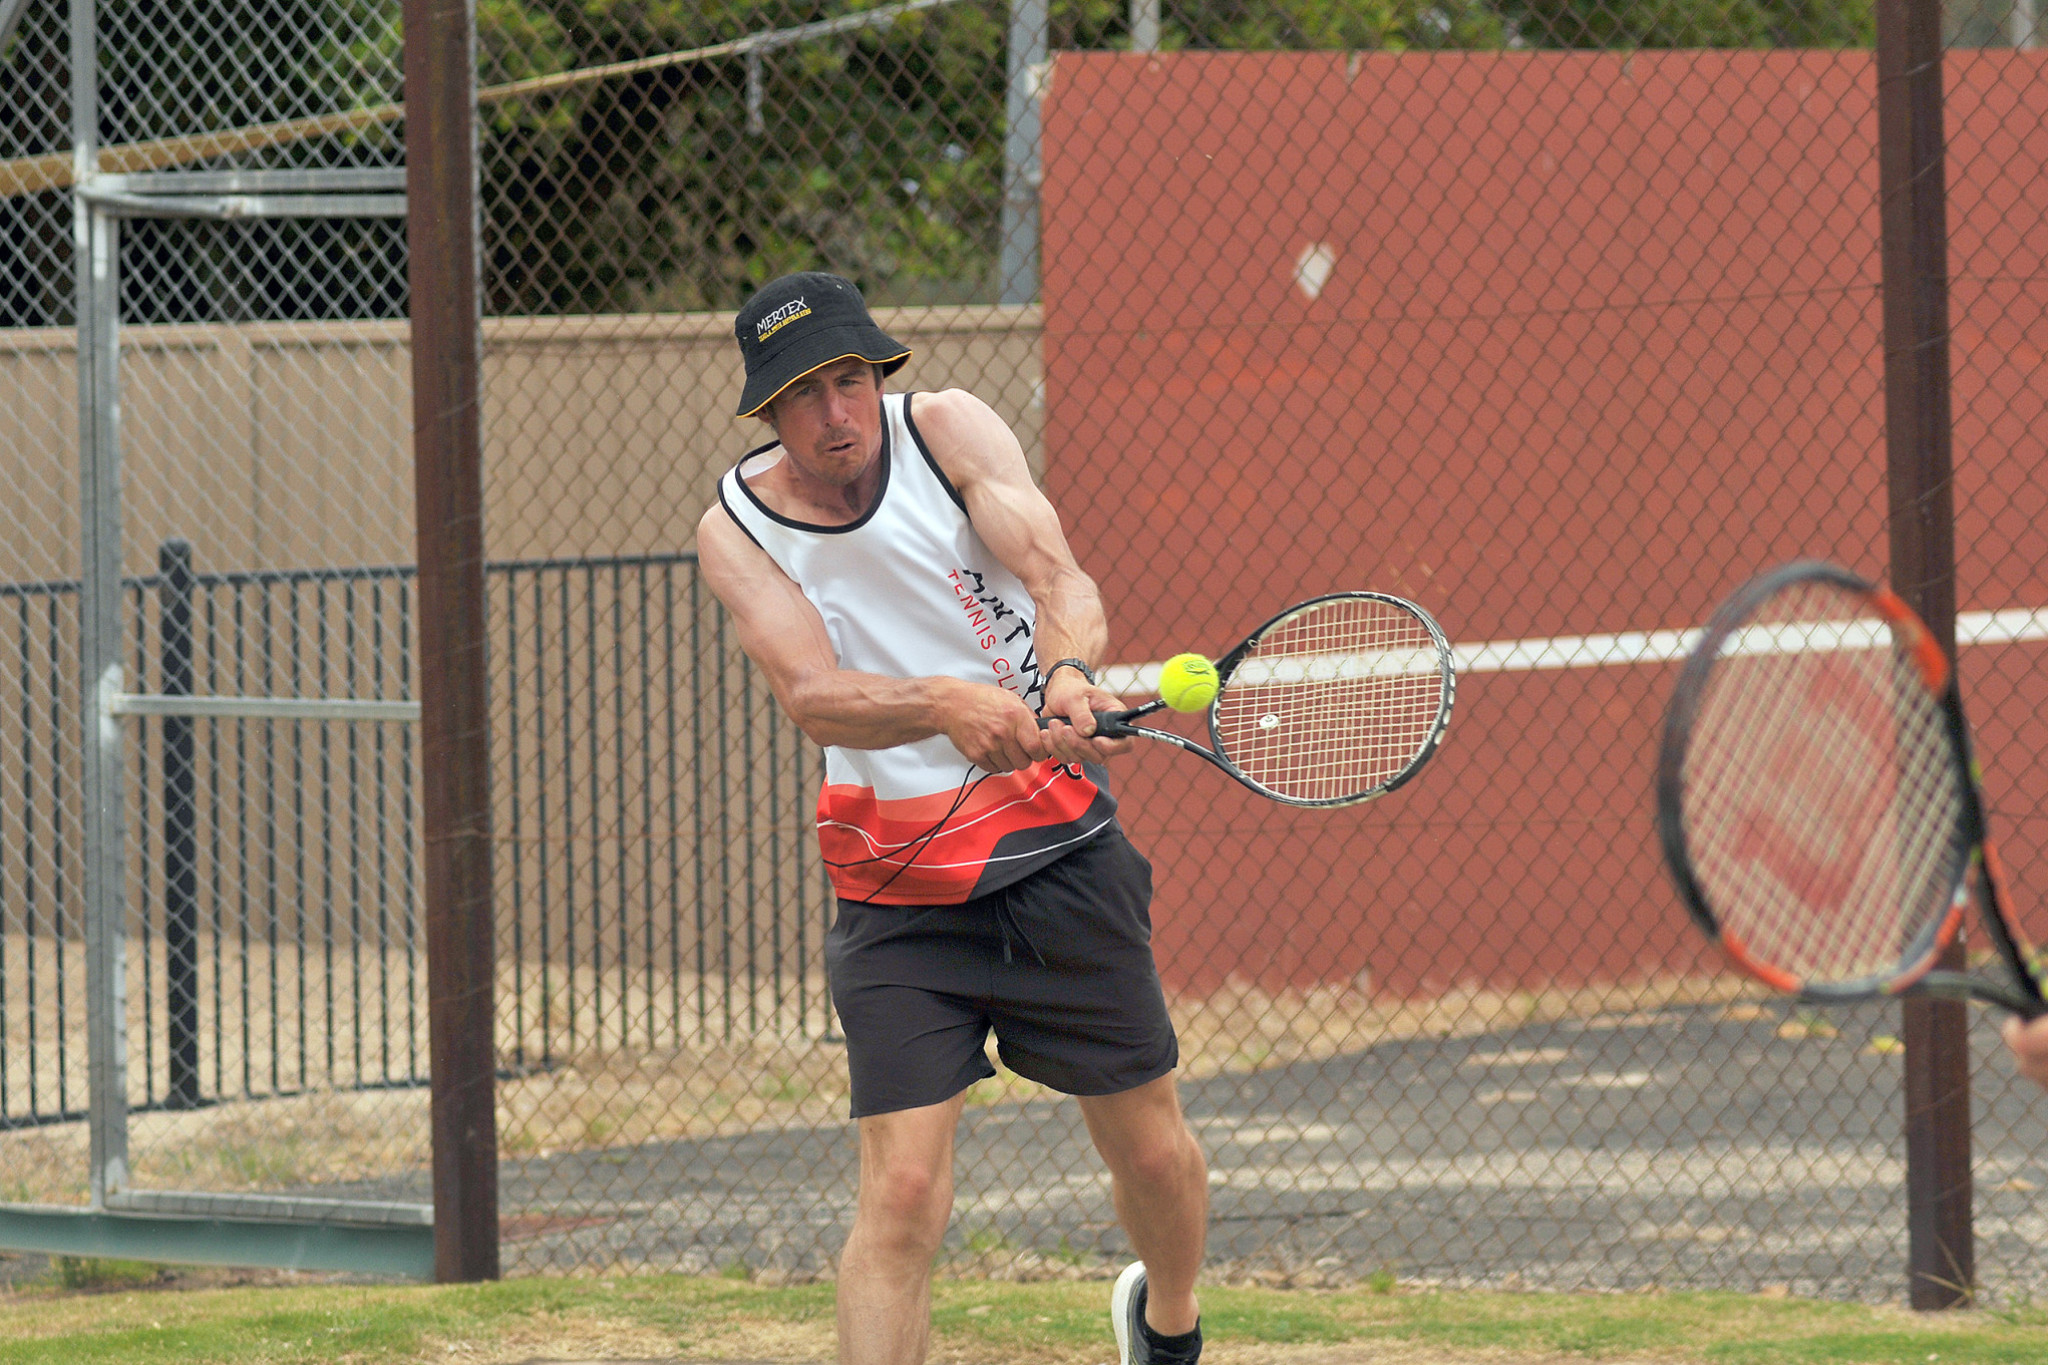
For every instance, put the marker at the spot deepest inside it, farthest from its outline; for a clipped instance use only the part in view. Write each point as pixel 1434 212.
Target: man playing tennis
pixel 912 600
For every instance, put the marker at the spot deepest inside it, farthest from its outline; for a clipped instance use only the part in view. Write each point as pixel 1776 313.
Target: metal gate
pixel 192 677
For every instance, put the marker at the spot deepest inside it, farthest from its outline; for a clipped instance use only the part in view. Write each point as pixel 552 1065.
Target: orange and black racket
pixel 1817 799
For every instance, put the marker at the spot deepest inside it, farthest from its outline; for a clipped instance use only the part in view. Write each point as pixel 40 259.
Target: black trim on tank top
pixel 926 451
pixel 733 516
pixel 880 492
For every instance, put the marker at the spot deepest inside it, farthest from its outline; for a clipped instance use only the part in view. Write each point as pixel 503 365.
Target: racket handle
pixel 1108 724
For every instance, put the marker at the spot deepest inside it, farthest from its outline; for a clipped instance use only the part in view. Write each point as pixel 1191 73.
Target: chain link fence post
pixel 440 82
pixel 1941 1248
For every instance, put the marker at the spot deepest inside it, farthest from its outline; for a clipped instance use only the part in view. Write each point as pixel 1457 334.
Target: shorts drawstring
pixel 1006 925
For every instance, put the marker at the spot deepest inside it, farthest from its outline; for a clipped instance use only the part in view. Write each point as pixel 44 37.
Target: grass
pixel 977 1322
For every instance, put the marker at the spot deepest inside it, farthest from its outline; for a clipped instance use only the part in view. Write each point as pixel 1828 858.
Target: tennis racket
pixel 1817 800
pixel 1334 701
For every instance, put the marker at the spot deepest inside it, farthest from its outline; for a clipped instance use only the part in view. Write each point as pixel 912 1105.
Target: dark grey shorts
pixel 1059 964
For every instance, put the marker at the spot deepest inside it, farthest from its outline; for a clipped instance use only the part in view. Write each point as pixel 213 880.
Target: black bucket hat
pixel 799 322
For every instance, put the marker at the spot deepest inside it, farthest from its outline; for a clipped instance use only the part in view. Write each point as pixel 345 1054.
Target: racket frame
pixel 1916 974
pixel 1117 724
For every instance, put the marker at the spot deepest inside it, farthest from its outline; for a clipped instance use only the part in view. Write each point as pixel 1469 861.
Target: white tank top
pixel 909 590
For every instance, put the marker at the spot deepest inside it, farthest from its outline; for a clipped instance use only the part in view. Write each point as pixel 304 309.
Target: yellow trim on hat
pixel 850 355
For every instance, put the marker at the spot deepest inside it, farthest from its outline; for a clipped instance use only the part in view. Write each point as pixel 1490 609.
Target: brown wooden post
pixel 441 226
pixel 1941 1252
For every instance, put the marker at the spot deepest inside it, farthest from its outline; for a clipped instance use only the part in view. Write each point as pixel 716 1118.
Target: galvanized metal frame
pixel 261 708
pixel 1023 168
pixel 376 1213
pixel 115 204
pixel 285 1244
pixel 96 243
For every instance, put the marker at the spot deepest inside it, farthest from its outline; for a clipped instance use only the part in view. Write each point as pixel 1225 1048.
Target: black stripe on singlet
pixel 735 517
pixel 917 437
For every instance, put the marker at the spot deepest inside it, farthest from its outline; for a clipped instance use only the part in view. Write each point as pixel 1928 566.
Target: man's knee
pixel 1162 1158
pixel 909 1201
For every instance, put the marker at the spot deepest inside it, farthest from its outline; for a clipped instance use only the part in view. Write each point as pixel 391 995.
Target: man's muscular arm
pixel 1013 518
pixel 782 633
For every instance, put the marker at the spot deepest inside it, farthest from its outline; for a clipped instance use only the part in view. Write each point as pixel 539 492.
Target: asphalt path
pixel 1688 1148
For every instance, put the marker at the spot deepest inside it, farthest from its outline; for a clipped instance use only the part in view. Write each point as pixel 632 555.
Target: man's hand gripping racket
pixel 1817 800
pixel 1334 701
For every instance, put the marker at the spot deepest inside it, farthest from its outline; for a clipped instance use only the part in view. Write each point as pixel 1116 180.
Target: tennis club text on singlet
pixel 909 590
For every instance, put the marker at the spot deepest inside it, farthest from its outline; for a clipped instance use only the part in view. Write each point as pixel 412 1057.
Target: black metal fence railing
pixel 654 887
pixel 274 939
pixel 655 883
pixel 42 1021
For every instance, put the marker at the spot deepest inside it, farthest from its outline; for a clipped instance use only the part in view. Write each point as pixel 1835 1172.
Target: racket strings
pixel 1823 800
pixel 1333 702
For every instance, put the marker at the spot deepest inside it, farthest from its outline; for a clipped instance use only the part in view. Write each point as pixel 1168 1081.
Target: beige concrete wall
pixel 609 434
pixel 38 455
pixel 283 445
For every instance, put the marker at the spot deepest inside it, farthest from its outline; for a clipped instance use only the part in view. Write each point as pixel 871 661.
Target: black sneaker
pixel 1136 1344
pixel 1127 1315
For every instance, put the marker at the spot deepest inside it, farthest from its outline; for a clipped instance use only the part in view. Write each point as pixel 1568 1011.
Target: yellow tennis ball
pixel 1187 682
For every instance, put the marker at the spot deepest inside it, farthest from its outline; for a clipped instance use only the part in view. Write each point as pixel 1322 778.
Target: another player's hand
pixel 2028 1039
pixel 993 728
pixel 1071 702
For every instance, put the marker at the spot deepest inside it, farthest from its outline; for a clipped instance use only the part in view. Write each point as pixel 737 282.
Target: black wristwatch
pixel 1075 664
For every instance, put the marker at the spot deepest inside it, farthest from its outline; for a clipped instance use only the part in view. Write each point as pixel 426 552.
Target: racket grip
pixel 1108 724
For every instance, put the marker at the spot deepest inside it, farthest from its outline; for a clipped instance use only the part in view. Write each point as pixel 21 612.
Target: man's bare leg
pixel 906 1199
pixel 1161 1186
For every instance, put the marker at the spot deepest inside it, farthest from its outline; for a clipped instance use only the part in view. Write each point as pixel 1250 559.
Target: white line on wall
pixel 2012 625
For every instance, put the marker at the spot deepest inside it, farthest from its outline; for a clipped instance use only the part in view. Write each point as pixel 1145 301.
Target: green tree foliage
pixel 878 153
pixel 1691 23
pixel 172 67
pixel 1333 25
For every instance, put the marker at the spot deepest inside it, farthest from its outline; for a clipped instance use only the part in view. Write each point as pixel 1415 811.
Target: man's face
pixel 830 420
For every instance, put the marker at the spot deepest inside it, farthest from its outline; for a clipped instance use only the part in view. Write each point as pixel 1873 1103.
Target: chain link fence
pixel 1559 318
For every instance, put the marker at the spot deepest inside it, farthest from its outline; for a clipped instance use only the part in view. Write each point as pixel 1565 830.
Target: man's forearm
pixel 1071 624
pixel 866 710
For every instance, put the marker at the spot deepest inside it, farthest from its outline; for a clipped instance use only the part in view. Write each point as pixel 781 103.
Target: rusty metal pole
pixel 1912 190
pixel 441 238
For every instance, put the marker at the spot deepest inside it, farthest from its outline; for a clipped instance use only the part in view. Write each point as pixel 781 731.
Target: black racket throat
pixel 1117 725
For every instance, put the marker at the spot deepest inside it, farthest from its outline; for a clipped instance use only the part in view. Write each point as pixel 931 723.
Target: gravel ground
pixel 1708 1147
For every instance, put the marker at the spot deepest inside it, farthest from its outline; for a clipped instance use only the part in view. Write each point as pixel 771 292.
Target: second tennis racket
pixel 1817 800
